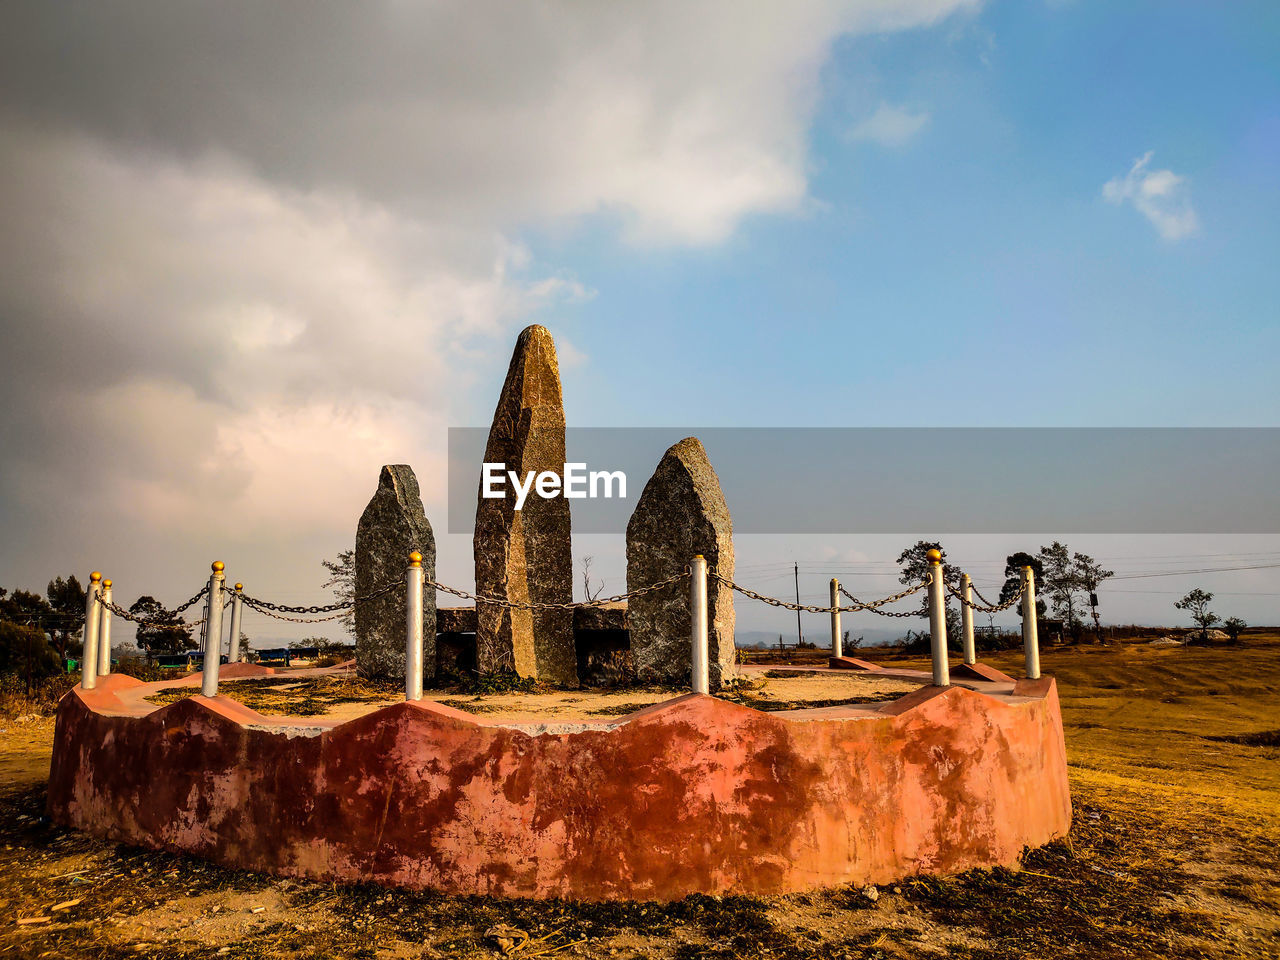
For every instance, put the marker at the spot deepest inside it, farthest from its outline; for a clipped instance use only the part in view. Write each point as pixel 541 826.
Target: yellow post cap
pixel 415 559
pixel 107 584
pixel 95 576
pixel 239 586
pixel 698 556
pixel 935 556
pixel 218 566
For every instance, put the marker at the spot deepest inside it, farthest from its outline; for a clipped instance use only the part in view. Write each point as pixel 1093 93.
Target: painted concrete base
pixel 692 795
pixel 851 663
pixel 238 671
pixel 979 671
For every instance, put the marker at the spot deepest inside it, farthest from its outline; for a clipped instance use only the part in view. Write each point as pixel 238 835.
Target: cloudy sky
pixel 252 251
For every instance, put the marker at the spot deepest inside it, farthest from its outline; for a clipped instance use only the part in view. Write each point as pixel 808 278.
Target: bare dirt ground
pixel 1174 852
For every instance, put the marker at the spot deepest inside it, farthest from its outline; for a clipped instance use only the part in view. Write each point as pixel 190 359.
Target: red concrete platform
pixel 692 795
pixel 979 671
pixel 851 663
pixel 238 671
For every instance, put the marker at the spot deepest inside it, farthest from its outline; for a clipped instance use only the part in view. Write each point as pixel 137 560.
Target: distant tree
pixel 914 562
pixel 1062 584
pixel 243 648
pixel 1013 565
pixel 850 644
pixel 1197 604
pixel 25 651
pixel 590 589
pixel 342 581
pixel 1234 626
pixel 25 608
pixel 1090 573
pixel 165 634
pixel 66 600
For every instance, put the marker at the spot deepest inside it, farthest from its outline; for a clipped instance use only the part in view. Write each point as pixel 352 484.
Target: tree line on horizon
pixel 1066 583
pixel 43 634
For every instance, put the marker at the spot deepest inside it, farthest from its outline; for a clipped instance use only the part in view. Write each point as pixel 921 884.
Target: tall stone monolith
pixel 392 526
pixel 525 555
pixel 680 514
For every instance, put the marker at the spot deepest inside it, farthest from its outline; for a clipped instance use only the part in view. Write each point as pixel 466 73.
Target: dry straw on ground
pixel 1175 852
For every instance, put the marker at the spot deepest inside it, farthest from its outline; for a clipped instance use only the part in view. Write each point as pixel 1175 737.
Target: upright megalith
pixel 681 514
pixel 392 526
pixel 525 555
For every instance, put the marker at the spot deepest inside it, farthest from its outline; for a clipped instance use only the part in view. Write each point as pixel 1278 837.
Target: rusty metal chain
pixel 814 608
pixel 167 618
pixel 280 616
pixel 989 606
pixel 535 605
pixel 335 611
pixel 266 606
pixel 874 606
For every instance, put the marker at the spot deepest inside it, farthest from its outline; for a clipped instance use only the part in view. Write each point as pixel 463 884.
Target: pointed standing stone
pixel 392 526
pixel 526 555
pixel 681 513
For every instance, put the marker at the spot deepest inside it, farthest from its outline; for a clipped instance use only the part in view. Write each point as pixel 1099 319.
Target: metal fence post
pixel 233 651
pixel 213 633
pixel 1030 633
pixel 104 630
pixel 698 624
pixel 966 619
pixel 413 631
pixel 89 655
pixel 938 621
pixel 837 639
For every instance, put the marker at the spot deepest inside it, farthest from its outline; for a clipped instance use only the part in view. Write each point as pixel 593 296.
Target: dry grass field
pixel 1174 852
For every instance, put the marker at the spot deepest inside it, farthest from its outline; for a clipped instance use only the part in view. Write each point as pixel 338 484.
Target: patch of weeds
pixel 790 674
pixel 619 709
pixel 470 706
pixel 507 682
pixel 291 696
pixel 770 705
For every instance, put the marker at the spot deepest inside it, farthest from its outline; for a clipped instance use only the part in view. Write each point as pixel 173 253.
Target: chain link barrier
pixel 986 606
pixel 281 616
pixel 166 618
pixel 335 611
pixel 535 605
pixel 874 605
pixel 859 605
pixel 341 607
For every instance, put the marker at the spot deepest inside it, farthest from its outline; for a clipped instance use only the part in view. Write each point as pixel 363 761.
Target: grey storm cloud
pixel 252 251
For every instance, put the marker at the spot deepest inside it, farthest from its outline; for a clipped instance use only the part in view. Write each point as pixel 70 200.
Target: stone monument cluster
pixel 525 555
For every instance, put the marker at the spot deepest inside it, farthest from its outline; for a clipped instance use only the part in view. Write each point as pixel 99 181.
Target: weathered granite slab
pixel 392 526
pixel 525 555
pixel 456 619
pixel 680 514
pixel 612 616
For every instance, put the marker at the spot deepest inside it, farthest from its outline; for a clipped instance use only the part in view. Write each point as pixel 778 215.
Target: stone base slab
pixel 692 795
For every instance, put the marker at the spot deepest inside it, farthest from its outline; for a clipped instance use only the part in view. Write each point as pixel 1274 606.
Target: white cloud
pixel 680 117
pixel 890 126
pixel 1161 196
pixel 243 268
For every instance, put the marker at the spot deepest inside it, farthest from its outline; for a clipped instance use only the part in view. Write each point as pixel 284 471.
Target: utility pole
pixel 799 635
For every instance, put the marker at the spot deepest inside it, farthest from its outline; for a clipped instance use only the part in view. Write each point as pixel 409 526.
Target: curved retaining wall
pixel 692 795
